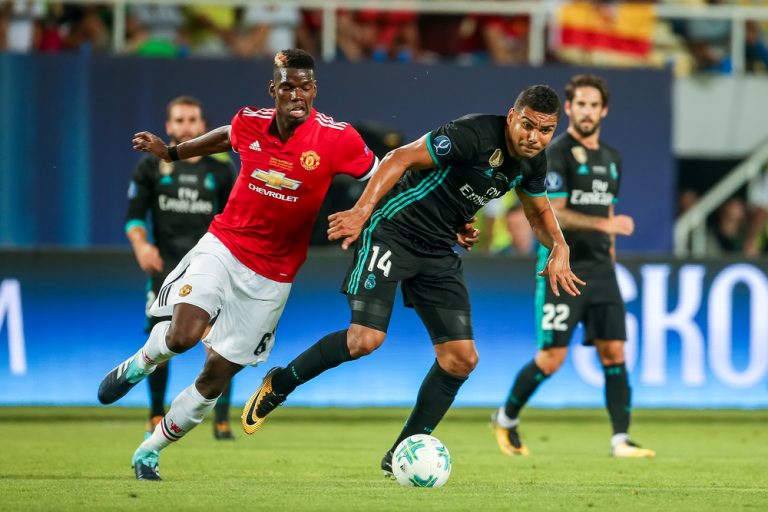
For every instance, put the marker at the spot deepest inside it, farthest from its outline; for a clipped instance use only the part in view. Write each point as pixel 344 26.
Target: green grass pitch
pixel 328 459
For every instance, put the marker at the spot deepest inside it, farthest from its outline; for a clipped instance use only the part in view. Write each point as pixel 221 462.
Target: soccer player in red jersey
pixel 231 288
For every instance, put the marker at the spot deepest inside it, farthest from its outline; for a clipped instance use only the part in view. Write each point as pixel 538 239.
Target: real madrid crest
pixel 309 160
pixel 497 158
pixel 579 153
pixel 166 168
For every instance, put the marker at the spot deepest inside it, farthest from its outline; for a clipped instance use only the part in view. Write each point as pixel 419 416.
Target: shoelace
pixel 270 401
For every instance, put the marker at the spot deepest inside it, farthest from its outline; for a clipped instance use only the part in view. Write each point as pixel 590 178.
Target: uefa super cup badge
pixel 309 160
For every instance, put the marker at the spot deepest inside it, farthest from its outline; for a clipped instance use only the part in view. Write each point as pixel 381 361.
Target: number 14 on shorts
pixel 383 263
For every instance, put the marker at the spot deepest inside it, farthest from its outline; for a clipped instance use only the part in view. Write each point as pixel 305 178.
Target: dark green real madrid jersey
pixel 181 199
pixel 472 166
pixel 590 180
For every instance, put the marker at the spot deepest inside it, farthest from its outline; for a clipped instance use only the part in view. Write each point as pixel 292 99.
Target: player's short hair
pixel 183 100
pixel 294 58
pixel 541 98
pixel 587 80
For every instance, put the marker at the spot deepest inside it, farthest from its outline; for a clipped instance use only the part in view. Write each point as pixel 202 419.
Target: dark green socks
pixel 527 381
pixel 157 382
pixel 618 397
pixel 327 353
pixel 435 397
pixel 221 409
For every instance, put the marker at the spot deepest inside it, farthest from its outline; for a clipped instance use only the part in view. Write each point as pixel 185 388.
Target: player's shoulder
pixel 563 142
pixel 324 122
pixel 147 164
pixel 253 117
pixel 611 150
pixel 251 112
pixel 481 123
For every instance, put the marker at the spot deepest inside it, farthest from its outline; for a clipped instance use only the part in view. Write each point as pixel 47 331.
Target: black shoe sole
pixel 144 472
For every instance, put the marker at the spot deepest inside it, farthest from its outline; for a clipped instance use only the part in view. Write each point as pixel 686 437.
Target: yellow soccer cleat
pixel 508 440
pixel 631 450
pixel 261 403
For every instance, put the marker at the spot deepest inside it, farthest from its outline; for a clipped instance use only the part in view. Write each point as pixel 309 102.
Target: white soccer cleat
pixel 630 450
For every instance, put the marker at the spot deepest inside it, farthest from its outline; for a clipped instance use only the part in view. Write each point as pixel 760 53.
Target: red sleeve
pixel 353 157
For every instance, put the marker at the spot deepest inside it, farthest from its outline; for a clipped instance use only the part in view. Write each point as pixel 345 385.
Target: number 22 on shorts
pixel 555 316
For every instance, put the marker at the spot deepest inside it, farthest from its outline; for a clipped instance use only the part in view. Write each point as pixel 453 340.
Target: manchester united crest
pixel 185 290
pixel 309 160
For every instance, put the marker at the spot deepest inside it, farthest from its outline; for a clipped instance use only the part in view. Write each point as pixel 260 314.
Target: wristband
pixel 173 153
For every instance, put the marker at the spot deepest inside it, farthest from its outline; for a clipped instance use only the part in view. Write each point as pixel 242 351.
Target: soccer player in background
pixel 410 213
pixel 583 184
pixel 238 276
pixel 180 198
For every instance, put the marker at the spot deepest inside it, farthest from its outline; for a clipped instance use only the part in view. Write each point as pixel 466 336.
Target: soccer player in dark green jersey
pixel 583 181
pixel 180 199
pixel 405 226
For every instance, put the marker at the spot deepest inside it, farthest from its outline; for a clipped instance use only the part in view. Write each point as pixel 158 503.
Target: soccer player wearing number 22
pixel 583 184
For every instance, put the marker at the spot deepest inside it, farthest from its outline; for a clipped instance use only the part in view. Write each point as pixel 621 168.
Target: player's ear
pixel 510 115
pixel 271 88
pixel 604 112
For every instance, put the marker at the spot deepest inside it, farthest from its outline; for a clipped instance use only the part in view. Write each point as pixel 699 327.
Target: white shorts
pixel 245 304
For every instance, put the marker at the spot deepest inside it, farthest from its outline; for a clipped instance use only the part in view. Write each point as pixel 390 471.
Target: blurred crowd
pixel 596 33
pixel 593 32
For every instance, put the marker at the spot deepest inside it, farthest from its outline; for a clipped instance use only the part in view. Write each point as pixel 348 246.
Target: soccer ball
pixel 421 461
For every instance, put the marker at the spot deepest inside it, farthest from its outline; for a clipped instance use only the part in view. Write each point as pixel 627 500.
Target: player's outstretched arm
pixel 346 225
pixel 544 224
pixel 215 141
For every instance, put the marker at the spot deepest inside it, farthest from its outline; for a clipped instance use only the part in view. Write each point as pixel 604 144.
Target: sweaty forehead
pixel 293 75
pixel 540 119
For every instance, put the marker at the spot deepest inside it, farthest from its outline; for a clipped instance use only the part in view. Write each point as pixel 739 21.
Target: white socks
pixel 505 421
pixel 155 351
pixel 617 439
pixel 186 412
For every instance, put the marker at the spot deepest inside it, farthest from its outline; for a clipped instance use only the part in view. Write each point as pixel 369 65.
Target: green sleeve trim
pixel 615 200
pixel 558 194
pixel 528 192
pixel 135 223
pixel 429 148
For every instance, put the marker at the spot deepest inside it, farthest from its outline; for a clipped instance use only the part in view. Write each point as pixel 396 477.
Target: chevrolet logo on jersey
pixel 276 180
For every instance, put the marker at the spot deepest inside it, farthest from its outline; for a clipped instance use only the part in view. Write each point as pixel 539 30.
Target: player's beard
pixel 586 132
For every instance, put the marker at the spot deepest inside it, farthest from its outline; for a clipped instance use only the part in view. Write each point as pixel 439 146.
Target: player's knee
pixel 210 385
pixel 363 340
pixel 180 340
pixel 610 353
pixel 459 362
pixel 549 361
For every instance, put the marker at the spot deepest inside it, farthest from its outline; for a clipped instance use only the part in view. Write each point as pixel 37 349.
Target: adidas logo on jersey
pixel 255 146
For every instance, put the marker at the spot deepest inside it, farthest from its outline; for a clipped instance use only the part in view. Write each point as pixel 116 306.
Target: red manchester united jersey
pixel 272 208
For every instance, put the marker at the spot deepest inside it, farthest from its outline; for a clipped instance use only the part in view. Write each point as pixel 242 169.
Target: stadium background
pixel 71 297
